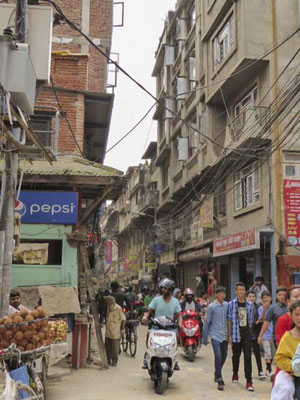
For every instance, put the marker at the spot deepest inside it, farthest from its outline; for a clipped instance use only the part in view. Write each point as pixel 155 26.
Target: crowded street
pixel 127 380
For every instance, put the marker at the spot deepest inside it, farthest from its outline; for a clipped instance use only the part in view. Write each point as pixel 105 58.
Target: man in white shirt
pixel 15 303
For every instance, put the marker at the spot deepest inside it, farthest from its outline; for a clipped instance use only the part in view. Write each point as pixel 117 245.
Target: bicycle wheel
pixel 133 341
pixel 124 343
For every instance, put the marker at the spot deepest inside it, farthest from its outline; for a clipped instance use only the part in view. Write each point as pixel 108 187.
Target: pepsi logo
pixel 20 207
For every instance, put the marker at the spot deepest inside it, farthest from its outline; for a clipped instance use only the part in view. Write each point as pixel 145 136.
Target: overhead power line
pixel 159 101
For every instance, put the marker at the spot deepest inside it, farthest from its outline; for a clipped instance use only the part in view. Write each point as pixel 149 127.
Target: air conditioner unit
pixel 183 149
pixel 170 105
pixel 169 55
pixel 179 234
pixel 181 29
pixel 182 84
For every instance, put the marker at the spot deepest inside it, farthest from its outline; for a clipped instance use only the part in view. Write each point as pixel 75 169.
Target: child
pixel 284 356
pixel 267 341
pixel 255 333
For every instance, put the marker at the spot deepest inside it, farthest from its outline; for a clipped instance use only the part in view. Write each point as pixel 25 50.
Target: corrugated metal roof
pixel 67 166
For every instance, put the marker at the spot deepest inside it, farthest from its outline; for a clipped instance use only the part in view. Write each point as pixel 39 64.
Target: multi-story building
pixel 130 221
pixel 72 115
pixel 227 150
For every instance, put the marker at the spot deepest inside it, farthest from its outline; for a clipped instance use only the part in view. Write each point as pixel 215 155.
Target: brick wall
pixel 68 72
pixel 101 15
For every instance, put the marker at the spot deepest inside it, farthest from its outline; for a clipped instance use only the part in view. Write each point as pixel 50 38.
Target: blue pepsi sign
pixel 48 207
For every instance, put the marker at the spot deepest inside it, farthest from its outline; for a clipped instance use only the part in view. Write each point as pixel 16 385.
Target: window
pixel 191 70
pixel 220 202
pixel 53 253
pixel 223 43
pixel 247 187
pixel 240 110
pixel 42 126
pixel 165 175
pixel 192 17
pixel 193 136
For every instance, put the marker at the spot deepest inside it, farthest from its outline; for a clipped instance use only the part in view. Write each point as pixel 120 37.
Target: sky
pixel 136 43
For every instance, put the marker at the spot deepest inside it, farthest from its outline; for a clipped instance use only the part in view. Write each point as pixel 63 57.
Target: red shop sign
pixel 292 211
pixel 242 241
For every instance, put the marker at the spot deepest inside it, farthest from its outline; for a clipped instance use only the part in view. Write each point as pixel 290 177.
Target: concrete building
pixel 227 153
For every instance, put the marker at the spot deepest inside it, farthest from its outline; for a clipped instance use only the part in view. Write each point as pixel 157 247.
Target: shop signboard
pixel 149 261
pixel 195 254
pixel 196 232
pixel 243 241
pixel 292 211
pixel 207 211
pixel 37 207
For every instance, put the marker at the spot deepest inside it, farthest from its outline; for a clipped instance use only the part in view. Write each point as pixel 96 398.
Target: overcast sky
pixel 136 43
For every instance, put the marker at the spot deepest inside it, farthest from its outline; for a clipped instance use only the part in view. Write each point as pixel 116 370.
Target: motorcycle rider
pixel 165 305
pixel 190 304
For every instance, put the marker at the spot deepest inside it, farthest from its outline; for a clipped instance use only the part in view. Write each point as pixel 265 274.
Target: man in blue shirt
pixel 240 320
pixel 216 327
pixel 164 306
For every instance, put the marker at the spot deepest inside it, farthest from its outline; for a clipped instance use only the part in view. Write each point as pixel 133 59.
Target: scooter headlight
pixel 190 332
pixel 162 351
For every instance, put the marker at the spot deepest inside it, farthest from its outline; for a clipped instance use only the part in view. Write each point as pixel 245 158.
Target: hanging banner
pixel 207 211
pixel 292 211
pixel 243 241
pixel 108 252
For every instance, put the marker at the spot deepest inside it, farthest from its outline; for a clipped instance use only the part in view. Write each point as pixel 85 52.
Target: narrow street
pixel 128 381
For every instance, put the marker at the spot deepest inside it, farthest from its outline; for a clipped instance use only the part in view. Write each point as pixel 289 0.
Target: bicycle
pixel 129 338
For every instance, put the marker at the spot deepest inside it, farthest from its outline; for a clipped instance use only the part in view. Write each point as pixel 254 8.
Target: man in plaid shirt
pixel 240 320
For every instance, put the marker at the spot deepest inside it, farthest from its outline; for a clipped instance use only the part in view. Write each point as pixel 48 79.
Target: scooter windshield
pixel 163 323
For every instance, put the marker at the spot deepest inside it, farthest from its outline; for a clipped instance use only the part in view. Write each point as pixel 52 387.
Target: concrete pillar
pixel 85 23
pixel 234 274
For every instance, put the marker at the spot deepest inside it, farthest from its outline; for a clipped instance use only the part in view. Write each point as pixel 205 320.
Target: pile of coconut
pixel 28 330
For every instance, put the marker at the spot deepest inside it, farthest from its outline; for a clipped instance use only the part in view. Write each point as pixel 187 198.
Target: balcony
pixel 164 151
pixel 146 202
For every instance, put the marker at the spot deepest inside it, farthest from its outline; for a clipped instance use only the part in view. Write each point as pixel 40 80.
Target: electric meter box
pixel 39 38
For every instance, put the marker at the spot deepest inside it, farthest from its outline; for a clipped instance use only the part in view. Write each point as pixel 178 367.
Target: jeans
pixel 245 345
pixel 256 351
pixel 220 351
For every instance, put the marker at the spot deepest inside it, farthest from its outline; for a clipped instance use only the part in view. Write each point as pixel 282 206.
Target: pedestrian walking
pixel 255 333
pixel 115 326
pixel 240 320
pixel 267 342
pixel 258 287
pixel 216 327
pixel 274 312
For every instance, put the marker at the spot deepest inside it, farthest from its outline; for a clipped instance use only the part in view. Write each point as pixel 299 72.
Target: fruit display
pixel 58 330
pixel 28 330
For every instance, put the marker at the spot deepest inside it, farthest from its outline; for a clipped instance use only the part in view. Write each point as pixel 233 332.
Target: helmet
pixel 167 283
pixel 189 292
pixel 176 291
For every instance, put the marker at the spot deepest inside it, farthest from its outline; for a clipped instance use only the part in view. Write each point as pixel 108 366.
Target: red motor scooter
pixel 190 335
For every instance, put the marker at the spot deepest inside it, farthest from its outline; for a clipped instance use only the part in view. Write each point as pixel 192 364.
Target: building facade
pixel 226 142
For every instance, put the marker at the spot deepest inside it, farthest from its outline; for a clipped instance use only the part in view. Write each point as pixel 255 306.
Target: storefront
pixel 243 256
pixel 198 269
pixel 44 255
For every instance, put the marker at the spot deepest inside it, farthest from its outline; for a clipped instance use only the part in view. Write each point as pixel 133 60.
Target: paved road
pixel 128 381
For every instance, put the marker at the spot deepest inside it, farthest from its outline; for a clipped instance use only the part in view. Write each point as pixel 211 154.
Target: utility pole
pixel 277 171
pixel 9 182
